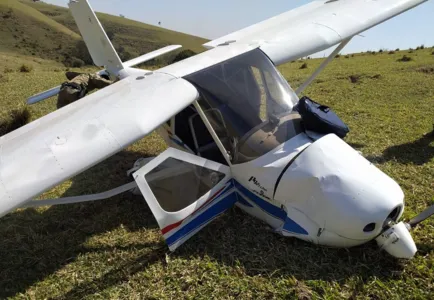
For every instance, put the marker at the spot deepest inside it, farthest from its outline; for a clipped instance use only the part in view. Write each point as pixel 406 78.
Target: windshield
pixel 249 105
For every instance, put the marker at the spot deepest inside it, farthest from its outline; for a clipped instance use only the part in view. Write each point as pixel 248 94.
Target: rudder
pixel 99 45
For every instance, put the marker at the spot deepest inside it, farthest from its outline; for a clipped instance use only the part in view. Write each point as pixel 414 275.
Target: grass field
pixel 113 249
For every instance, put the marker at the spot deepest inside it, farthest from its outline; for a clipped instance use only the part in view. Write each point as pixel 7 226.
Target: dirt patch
pixel 356 78
pixel 376 76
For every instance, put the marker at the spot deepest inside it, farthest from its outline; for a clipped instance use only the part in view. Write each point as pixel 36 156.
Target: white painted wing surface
pixel 316 26
pixel 68 141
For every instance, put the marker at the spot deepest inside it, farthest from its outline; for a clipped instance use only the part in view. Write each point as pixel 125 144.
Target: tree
pixel 82 53
pixel 110 35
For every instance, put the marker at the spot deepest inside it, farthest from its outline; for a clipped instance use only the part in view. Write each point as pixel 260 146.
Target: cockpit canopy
pixel 249 105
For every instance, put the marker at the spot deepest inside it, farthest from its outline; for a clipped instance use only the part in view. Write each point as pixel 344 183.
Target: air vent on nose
pixel 394 214
pixel 369 228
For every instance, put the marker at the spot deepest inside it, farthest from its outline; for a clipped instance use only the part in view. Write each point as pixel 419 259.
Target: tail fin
pixel 99 46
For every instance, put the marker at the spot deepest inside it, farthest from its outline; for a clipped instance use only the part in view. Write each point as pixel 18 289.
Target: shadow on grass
pixel 36 245
pixel 418 152
pixel 236 239
pixel 247 242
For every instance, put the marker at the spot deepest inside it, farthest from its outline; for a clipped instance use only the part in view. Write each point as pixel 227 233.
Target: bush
pixel 303 66
pixel 381 51
pixel 8 70
pixel 347 56
pixel 355 78
pixel 125 55
pixel 2 78
pixel 8 14
pixel 14 120
pixel 337 56
pixel 81 52
pixel 183 55
pixel 405 58
pixel 73 62
pixel 110 35
pixel 397 49
pixel 76 62
pixel 25 68
pixel 432 53
pixel 426 70
pixel 421 47
pixel 391 52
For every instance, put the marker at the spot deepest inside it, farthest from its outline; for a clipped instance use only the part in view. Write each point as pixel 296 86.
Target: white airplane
pixel 237 135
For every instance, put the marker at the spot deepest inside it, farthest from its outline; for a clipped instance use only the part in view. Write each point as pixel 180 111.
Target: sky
pixel 212 19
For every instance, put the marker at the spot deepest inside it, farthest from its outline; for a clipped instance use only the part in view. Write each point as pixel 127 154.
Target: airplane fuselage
pixel 265 190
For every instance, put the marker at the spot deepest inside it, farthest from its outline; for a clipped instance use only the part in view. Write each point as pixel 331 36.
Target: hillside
pixel 49 32
pixel 26 31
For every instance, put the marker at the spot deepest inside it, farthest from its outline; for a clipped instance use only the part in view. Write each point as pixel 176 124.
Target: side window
pixel 177 184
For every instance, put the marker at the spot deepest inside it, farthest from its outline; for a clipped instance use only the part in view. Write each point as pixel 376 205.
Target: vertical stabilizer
pixel 99 46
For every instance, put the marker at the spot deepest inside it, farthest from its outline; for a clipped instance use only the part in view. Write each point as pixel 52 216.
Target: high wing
pixel 68 141
pixel 315 27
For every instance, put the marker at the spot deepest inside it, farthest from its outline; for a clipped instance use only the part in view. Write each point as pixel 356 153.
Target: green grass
pixel 113 249
pixel 26 31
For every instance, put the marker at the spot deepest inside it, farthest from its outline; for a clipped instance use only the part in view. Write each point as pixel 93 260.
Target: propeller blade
pixel 422 216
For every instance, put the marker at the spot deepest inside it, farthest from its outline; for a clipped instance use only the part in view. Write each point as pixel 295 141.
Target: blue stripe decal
pixel 268 207
pixel 293 227
pixel 244 202
pixel 216 197
pixel 289 225
pixel 204 218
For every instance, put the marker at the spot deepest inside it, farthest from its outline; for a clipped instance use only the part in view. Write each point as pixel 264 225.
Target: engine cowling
pixel 342 192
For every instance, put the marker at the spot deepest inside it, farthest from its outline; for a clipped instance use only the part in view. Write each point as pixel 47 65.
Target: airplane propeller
pixel 396 239
pixel 421 217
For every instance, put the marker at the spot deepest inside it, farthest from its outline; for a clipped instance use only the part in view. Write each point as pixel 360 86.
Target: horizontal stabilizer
pixel 50 93
pixel 151 55
pixel 44 95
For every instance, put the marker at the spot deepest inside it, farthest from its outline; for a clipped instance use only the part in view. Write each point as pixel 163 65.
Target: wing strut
pixel 322 66
pixel 85 198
